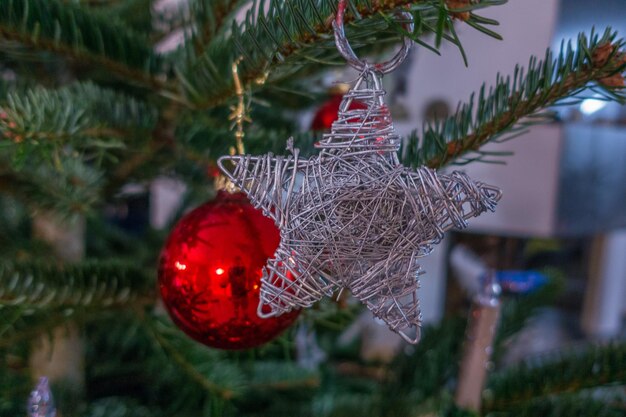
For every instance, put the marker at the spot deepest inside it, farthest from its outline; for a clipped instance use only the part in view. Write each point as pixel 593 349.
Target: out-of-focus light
pixel 179 266
pixel 219 271
pixel 591 105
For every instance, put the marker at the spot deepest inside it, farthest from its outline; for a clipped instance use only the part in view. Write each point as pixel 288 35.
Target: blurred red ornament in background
pixel 327 113
pixel 210 274
pixel 213 171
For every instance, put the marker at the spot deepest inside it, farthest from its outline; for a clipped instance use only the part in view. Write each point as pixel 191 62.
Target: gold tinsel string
pixel 238 112
pixel 238 115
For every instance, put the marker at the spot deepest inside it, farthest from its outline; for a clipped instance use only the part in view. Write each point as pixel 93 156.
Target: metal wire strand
pixel 344 48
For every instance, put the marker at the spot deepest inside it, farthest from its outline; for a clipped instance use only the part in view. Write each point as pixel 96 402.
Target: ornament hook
pixel 348 53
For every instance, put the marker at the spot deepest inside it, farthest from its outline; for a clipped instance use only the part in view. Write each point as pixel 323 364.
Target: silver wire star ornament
pixel 353 217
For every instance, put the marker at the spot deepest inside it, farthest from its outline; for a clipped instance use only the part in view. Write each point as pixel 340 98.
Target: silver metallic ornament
pixel 353 217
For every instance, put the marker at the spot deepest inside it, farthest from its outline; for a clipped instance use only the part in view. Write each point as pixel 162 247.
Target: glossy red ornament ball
pixel 327 113
pixel 210 274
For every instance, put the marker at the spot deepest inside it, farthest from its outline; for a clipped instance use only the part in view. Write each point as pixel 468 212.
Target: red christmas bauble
pixel 210 274
pixel 327 113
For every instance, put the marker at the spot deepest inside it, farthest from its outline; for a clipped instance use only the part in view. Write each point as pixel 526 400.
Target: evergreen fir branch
pixel 120 337
pixel 281 376
pixel 136 14
pixel 203 144
pixel 68 188
pixel 97 3
pixel 88 284
pixel 420 375
pixel 199 365
pixel 222 375
pixel 209 20
pixel 516 102
pixel 14 223
pixel 15 383
pixel 81 115
pixel 569 373
pixel 113 241
pixel 584 405
pixel 293 33
pixel 81 35
pixel 119 407
pixel 20 323
pixel 5 88
pixel 69 135
pixel 440 21
pixel 119 357
pixel 343 403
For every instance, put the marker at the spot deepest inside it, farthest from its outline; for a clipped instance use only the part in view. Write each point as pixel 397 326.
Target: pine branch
pixel 283 376
pixel 81 35
pixel 5 88
pixel 209 18
pixel 68 188
pixel 203 142
pixel 277 43
pixel 223 375
pixel 82 115
pixel 571 372
pixel 515 103
pixel 420 375
pixel 136 14
pixel 198 364
pixel 96 3
pixel 119 407
pixel 565 406
pixel 88 284
pixel 343 403
pixel 119 356
pixel 74 133
pixel 18 323
pixel 35 297
pixel 15 383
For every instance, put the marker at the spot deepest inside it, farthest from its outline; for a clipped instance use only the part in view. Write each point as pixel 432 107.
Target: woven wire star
pixel 353 217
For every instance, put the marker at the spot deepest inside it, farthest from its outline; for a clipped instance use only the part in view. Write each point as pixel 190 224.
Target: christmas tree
pixel 94 108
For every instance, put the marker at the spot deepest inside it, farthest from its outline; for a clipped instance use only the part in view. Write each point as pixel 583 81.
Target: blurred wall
pixel 527 27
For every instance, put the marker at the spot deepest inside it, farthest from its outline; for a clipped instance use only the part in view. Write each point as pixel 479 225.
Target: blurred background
pixel 564 199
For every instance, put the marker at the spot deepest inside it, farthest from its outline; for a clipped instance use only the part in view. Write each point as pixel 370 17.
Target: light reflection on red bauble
pixel 210 274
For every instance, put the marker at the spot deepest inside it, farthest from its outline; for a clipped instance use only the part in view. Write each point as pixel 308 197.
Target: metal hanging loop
pixel 348 53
